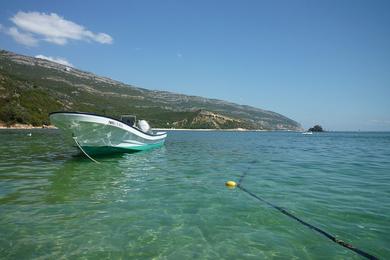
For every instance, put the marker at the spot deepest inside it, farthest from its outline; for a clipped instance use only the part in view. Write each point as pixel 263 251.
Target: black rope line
pixel 245 172
pixel 322 232
pixel 242 177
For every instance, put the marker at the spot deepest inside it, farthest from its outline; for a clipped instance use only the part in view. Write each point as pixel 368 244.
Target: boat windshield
pixel 128 120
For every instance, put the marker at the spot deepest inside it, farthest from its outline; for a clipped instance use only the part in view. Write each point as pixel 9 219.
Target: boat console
pixel 129 120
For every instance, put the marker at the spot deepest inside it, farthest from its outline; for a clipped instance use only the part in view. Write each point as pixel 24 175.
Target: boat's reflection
pixel 81 179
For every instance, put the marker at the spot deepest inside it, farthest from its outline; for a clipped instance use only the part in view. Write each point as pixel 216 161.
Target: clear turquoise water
pixel 171 203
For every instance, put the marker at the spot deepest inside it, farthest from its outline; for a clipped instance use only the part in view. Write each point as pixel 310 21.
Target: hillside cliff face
pixel 30 88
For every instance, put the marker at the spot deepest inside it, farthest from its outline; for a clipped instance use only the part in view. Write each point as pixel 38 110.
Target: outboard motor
pixel 144 126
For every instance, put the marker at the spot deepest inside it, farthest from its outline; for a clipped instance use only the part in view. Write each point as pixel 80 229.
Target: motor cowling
pixel 144 126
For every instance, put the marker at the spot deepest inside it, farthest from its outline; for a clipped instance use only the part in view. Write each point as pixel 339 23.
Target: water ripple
pixel 171 203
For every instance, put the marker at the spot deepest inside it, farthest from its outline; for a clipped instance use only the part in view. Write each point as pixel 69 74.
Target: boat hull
pixel 100 135
pixel 111 149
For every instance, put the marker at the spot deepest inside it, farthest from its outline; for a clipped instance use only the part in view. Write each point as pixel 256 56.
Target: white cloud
pixel 31 27
pixel 380 121
pixel 104 38
pixel 59 60
pixel 22 37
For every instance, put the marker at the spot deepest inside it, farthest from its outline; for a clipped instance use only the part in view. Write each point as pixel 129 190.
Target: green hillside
pixel 30 88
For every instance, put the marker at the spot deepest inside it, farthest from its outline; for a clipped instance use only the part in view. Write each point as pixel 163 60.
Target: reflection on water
pixel 171 202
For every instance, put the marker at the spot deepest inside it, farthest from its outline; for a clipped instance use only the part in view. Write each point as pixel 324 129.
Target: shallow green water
pixel 171 203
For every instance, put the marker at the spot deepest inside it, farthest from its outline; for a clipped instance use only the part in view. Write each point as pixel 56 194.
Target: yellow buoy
pixel 231 184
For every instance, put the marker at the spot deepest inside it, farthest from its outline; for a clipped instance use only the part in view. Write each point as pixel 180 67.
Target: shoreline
pixel 29 127
pixel 209 130
pixel 26 127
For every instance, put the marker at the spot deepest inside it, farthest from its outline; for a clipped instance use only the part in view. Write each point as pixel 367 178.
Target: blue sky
pixel 325 62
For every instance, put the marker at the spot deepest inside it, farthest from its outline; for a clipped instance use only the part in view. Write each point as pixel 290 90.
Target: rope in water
pixel 322 232
pixel 75 139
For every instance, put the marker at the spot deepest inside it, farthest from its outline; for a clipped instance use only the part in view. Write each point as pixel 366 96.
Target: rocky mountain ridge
pixel 30 88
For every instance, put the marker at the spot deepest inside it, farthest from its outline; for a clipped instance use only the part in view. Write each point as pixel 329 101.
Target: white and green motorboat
pixel 96 134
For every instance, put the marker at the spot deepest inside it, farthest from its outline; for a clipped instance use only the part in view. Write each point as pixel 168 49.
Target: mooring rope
pixel 75 139
pixel 289 214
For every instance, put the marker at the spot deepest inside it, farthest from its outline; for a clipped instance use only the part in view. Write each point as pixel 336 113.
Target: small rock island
pixel 316 128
